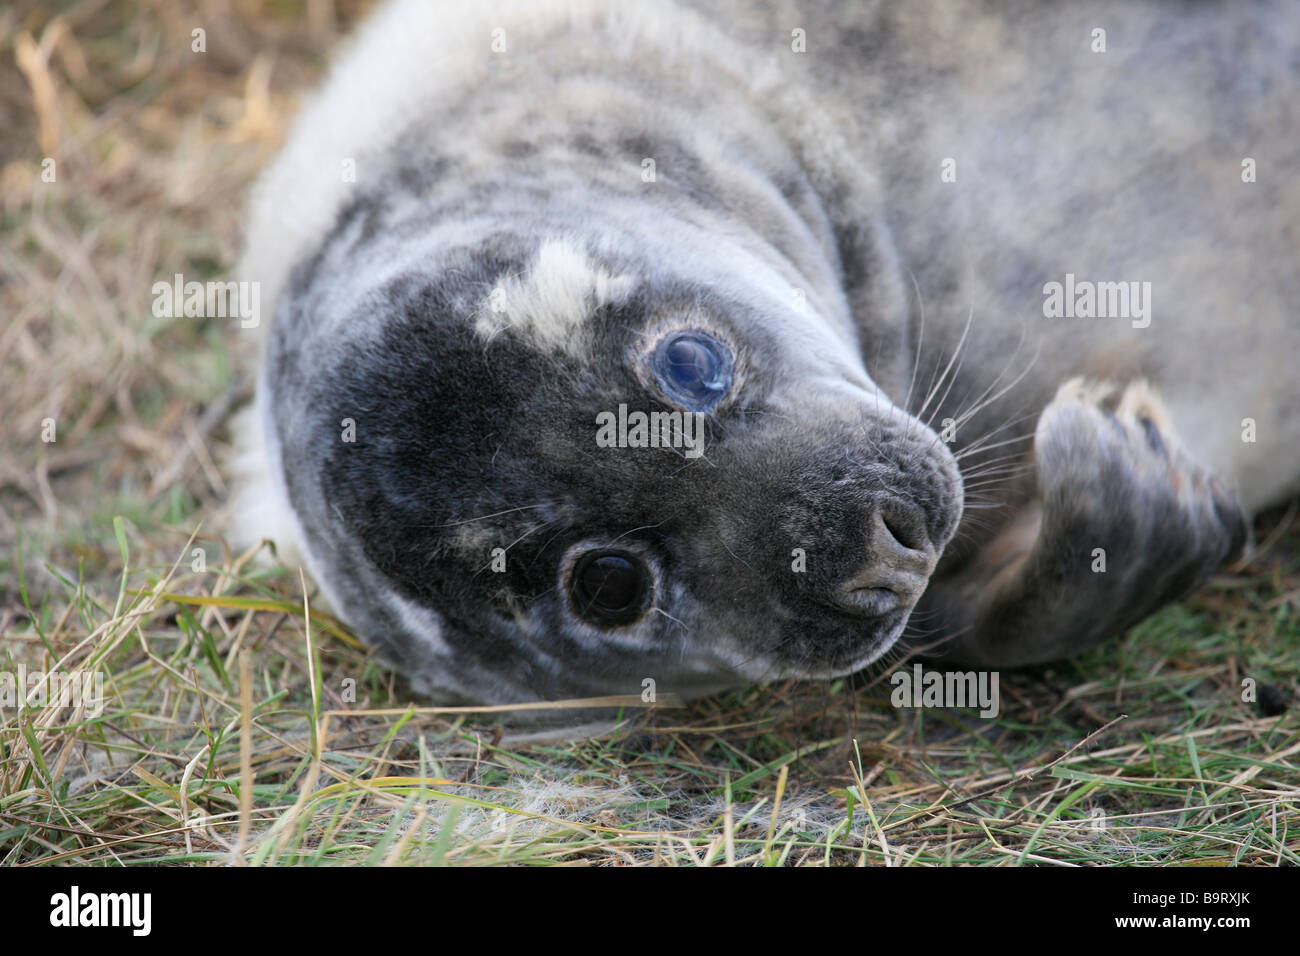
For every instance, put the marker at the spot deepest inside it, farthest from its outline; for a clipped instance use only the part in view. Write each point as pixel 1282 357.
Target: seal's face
pixel 566 477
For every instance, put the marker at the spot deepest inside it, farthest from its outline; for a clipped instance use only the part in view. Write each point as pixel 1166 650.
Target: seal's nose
pixel 897 571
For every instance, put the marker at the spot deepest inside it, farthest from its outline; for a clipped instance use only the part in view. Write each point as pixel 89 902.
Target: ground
pixel 227 733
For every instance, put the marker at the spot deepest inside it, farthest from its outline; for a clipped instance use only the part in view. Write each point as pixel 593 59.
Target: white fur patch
pixel 259 507
pixel 422 622
pixel 407 60
pixel 553 299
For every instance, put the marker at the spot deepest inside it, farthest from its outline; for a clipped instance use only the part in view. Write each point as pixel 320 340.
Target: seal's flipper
pixel 1124 521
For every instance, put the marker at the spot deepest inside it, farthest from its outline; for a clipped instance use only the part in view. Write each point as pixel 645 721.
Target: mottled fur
pixel 501 267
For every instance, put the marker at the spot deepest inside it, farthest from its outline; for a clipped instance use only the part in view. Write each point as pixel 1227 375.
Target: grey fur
pixel 797 214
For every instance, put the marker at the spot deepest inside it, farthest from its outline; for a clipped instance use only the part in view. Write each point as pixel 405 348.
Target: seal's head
pixel 553 466
pixel 568 386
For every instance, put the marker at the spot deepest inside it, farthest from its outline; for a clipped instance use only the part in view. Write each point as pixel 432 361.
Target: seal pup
pixel 986 319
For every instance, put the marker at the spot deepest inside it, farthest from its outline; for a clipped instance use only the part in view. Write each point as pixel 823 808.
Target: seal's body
pixel 1062 235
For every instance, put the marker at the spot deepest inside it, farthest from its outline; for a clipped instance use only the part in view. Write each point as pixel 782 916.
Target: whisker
pixel 496 514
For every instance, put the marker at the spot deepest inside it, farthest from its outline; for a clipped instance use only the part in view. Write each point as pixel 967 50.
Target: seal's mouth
pixel 896 572
pixel 871 601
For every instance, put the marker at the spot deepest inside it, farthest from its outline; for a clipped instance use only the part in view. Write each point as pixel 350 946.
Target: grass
pixel 241 727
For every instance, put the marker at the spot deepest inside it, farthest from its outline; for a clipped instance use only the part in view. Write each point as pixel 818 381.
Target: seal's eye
pixel 694 369
pixel 610 587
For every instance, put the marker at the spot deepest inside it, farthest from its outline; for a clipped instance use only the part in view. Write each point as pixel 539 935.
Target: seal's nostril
pixel 898 531
pixel 907 530
pixel 898 561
